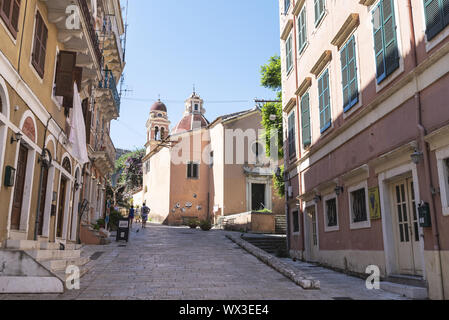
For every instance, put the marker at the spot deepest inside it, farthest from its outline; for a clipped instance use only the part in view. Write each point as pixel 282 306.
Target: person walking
pixel 144 215
pixel 131 216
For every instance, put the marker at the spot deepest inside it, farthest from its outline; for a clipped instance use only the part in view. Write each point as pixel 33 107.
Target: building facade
pixel 54 57
pixel 205 170
pixel 367 124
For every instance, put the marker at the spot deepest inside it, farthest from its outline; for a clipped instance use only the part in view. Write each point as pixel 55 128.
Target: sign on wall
pixel 374 203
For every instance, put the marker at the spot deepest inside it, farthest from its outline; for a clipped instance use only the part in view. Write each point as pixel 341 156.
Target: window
pixel 40 45
pixel 197 107
pixel 437 16
pixel 331 213
pixel 319 10
pixel 295 221
pixel 349 75
pixel 289 53
pixel 286 6
pixel 358 205
pixel 324 102
pixel 302 30
pixel 446 162
pixel 192 170
pixel 257 150
pixel 9 12
pixel 305 121
pixel 385 39
pixel 291 135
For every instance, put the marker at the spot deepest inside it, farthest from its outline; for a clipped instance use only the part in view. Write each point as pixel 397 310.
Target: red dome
pixel 159 106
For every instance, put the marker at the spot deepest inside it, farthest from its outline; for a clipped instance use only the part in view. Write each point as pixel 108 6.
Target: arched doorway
pixel 75 206
pixel 63 196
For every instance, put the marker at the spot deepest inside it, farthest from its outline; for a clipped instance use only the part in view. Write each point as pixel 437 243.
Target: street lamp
pixel 417 156
pixel 339 190
pixel 17 137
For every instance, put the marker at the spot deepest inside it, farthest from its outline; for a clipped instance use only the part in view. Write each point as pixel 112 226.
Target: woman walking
pixel 131 216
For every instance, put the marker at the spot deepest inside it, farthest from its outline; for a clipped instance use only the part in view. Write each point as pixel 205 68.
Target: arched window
pixel 66 165
pixel 156 133
pixel 162 133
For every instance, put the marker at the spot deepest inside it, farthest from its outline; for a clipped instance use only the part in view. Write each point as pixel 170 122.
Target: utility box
pixel 10 175
pixel 425 221
pixel 123 230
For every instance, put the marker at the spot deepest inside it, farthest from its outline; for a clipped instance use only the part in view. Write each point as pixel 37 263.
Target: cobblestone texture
pixel 163 263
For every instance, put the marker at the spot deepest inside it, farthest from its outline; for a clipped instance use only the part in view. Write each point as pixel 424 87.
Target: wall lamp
pixel 77 185
pixel 417 156
pixel 339 190
pixel 16 138
pixel 317 198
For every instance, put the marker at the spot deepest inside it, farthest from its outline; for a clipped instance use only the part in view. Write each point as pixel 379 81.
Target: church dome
pixel 190 122
pixel 158 106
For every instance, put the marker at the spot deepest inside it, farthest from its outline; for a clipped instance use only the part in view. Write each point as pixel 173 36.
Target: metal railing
pixel 90 28
pixel 110 83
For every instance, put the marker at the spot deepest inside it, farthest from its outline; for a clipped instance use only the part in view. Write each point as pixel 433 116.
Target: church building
pixel 213 171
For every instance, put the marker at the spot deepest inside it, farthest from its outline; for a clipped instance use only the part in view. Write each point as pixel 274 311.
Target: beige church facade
pixel 210 171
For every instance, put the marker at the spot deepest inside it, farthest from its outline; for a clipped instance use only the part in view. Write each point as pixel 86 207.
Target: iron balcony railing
pixel 110 83
pixel 90 27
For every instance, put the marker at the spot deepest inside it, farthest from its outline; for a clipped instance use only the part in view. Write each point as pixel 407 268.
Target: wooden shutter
pixel 305 121
pixel 391 44
pixel 9 12
pixel 378 43
pixel 302 30
pixel 88 122
pixel 319 10
pixel 65 74
pixel 291 136
pixel 195 170
pixel 40 45
pixel 189 170
pixel 324 97
pixel 434 18
pixel 77 77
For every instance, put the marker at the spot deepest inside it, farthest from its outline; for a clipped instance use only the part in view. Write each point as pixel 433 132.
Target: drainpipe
pixel 422 132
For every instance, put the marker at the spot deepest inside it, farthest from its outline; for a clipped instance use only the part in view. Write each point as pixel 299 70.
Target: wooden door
pixel 312 226
pixel 61 207
pixel 19 189
pixel 406 228
pixel 42 201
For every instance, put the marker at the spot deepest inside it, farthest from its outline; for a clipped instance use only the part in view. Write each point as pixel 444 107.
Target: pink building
pixel 365 88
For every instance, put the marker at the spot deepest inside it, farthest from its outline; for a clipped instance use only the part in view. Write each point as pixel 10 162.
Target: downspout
pixel 422 132
pixel 21 37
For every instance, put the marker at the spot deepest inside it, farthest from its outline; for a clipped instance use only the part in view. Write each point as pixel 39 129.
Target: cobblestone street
pixel 162 263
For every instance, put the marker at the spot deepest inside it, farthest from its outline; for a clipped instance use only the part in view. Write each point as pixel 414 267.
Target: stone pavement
pixel 166 263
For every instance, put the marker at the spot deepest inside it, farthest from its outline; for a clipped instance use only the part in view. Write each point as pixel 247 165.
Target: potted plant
pixel 205 225
pixel 193 223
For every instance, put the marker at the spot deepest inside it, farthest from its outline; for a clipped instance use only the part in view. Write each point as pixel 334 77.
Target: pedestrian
pixel 145 213
pixel 131 216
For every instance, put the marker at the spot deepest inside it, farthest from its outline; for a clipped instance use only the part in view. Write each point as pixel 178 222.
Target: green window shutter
pixel 445 8
pixel 291 136
pixel 434 18
pixel 288 52
pixel 385 39
pixel 324 102
pixel 302 31
pixel 349 75
pixel 319 10
pixel 305 120
pixel 391 44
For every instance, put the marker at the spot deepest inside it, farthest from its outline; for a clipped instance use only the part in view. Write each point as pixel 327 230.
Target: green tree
pixel 272 114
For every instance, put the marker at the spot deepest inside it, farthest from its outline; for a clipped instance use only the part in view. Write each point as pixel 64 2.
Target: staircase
pixel 270 244
pixel 51 257
pixel 281 225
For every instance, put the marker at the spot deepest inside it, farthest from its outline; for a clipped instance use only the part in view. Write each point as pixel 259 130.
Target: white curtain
pixel 78 130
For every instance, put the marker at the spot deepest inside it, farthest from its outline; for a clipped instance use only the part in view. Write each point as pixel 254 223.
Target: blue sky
pixel 218 45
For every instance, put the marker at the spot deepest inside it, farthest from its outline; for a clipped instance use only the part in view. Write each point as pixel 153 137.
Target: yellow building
pixel 46 47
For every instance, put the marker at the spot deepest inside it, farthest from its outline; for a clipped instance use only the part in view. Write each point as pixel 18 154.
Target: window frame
pixel 305 146
pixel 444 24
pixel 320 18
pixel 297 214
pixel 289 53
pixel 325 126
pixel 361 224
pixel 351 103
pixel 291 137
pixel 385 75
pixel 327 228
pixel 34 63
pixel 287 5
pixel 443 176
pixel 7 20
pixel 192 164
pixel 302 46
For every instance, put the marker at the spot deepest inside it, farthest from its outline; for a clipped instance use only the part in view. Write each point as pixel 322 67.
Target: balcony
pixel 107 96
pixel 81 39
pixel 104 155
pixel 112 47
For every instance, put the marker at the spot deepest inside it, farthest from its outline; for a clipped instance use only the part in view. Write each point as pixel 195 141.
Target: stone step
pixel 22 244
pixel 57 246
pixel 30 285
pixel 61 265
pixel 45 255
pixel 411 292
